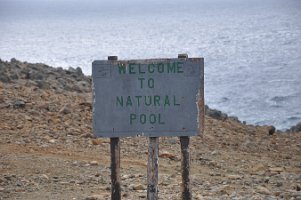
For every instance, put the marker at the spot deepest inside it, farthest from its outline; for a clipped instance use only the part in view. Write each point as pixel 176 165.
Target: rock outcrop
pixel 44 76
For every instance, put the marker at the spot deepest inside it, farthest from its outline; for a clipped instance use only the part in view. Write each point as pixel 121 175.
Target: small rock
pixel 94 163
pixel 19 184
pixel 52 141
pixel 79 71
pixel 88 135
pixel 277 193
pixel 20 126
pixel 234 118
pixel 139 187
pixel 56 120
pixel 234 177
pixel 263 190
pixel 28 118
pixel 66 109
pixel 42 84
pixel 127 176
pixel 82 86
pixel 97 141
pixel 167 155
pixel 276 169
pixel 125 195
pixel 215 114
pixel 258 169
pixel 214 153
pixel 80 182
pixel 18 104
pixel 72 131
pixel 13 60
pixel 270 198
pixel 95 197
pixel 45 176
pixel 226 189
pixel 297 187
pixel 86 104
pixel 199 197
pixel 293 195
pixel 19 190
pixel 296 128
pixel 8 177
pixel 142 196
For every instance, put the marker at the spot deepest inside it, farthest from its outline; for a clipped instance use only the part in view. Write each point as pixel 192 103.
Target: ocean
pixel 252 48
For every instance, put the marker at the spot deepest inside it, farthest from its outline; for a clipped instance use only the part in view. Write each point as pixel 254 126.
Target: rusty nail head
pixel 183 55
pixel 112 57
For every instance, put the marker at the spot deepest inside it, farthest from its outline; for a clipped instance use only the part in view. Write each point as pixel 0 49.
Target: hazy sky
pixel 77 7
pixel 32 7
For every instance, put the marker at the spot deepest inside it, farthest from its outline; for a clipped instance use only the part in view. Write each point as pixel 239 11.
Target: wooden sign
pixel 155 97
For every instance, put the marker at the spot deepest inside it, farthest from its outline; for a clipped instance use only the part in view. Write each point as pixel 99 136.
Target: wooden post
pixel 115 169
pixel 115 162
pixel 185 168
pixel 185 160
pixel 152 169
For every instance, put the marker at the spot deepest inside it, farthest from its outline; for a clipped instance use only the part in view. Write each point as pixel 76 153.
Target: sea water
pixel 252 48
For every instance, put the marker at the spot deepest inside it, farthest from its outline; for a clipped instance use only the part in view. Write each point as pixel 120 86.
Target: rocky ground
pixel 47 150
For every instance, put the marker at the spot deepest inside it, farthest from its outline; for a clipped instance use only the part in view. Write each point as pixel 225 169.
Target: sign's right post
pixel 185 167
pixel 185 159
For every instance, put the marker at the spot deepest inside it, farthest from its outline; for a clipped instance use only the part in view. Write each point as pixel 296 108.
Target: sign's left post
pixel 115 160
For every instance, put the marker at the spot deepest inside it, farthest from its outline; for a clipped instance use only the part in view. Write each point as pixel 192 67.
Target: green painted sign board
pixel 154 97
